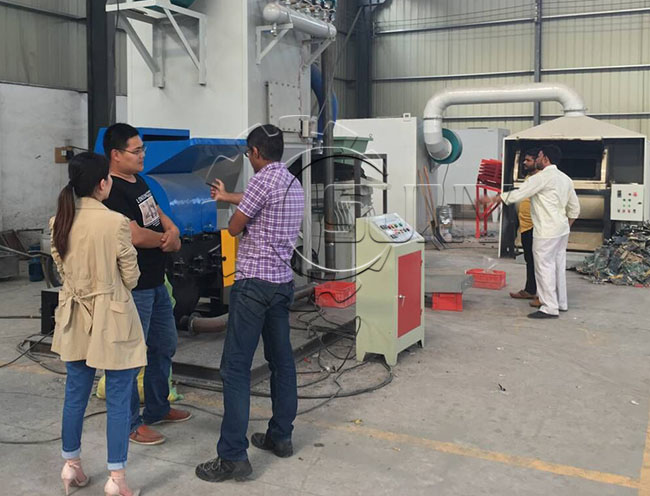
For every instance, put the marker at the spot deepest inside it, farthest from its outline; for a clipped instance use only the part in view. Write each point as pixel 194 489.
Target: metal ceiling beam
pixel 448 27
pixel 526 72
pixel 525 117
pixel 600 13
pixel 520 20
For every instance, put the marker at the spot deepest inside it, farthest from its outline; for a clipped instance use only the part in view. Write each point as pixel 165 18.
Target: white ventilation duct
pixel 446 149
pixel 274 13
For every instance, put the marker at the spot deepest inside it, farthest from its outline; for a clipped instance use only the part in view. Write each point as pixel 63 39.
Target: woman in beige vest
pixel 97 324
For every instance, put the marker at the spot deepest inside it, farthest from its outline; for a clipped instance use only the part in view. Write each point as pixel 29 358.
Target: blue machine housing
pixel 170 166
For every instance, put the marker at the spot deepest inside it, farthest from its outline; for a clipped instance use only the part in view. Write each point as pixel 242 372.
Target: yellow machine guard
pixel 229 253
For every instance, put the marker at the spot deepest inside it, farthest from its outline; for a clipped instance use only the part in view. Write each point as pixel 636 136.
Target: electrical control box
pixel 390 286
pixel 627 202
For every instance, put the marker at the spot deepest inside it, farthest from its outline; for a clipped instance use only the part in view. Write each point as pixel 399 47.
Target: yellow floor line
pixel 644 484
pixel 493 456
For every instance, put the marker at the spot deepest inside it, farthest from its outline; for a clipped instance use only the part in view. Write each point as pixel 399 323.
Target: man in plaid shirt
pixel 269 214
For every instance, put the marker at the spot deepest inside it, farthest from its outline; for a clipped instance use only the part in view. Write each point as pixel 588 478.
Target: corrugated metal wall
pixel 422 46
pixel 43 43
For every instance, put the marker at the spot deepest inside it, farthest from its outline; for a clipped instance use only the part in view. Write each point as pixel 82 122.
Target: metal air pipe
pixel 274 13
pixel 440 148
pixel 201 325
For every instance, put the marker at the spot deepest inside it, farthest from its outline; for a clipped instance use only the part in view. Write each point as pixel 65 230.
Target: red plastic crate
pixel 336 294
pixel 452 302
pixel 488 279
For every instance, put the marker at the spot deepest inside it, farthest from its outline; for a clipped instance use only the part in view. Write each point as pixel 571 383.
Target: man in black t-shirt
pixel 154 235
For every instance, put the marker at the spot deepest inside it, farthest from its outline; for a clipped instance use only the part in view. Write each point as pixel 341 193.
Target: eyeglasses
pixel 248 152
pixel 137 151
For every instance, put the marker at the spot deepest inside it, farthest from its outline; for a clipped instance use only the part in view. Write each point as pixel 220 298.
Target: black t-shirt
pixel 136 201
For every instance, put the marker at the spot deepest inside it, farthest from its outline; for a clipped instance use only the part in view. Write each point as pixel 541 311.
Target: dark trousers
pixel 257 308
pixel 527 243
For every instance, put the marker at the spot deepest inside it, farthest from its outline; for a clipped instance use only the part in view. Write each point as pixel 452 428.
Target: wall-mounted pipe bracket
pixel 159 13
pixel 278 31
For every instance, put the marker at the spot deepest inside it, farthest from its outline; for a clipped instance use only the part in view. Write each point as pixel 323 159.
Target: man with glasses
pixel 154 235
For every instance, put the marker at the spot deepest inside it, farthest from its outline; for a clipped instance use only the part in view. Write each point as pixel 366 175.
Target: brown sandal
pixel 522 295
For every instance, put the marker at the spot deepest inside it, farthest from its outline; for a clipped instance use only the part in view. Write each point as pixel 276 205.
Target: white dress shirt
pixel 553 201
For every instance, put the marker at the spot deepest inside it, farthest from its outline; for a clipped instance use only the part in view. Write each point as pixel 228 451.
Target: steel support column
pixel 327 68
pixel 364 62
pixel 100 36
pixel 537 77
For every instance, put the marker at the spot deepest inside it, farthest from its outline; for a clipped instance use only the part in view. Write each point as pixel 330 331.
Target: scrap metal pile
pixel 623 260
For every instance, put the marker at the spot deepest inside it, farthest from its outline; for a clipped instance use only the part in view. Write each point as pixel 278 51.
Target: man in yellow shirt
pixel 526 230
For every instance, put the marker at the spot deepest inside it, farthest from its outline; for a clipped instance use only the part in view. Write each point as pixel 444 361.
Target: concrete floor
pixel 570 417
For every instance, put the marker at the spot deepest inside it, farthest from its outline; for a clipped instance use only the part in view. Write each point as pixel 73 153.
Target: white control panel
pixel 627 202
pixel 396 229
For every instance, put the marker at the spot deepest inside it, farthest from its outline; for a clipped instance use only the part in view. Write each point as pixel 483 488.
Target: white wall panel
pixel 33 121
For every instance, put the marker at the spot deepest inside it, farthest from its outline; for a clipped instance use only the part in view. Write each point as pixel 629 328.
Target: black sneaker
pixel 261 441
pixel 541 315
pixel 218 470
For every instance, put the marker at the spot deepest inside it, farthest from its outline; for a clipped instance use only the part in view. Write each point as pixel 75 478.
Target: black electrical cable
pixel 19 317
pixel 316 381
pixel 27 351
pixel 327 371
pixel 444 180
pixel 339 393
pixel 336 329
pixel 330 352
pixel 28 354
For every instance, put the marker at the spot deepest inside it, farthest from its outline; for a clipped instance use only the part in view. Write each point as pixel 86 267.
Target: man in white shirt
pixel 554 208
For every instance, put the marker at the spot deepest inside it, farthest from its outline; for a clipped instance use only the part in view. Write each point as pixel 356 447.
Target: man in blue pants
pixel 269 213
pixel 154 235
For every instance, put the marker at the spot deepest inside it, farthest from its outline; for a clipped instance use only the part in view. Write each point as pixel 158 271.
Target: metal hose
pixel 202 325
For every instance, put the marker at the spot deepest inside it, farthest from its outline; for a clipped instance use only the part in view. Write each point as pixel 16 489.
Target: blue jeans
pixel 78 385
pixel 257 307
pixel 157 317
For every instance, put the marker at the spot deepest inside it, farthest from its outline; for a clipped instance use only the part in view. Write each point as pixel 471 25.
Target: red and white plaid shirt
pixel 275 203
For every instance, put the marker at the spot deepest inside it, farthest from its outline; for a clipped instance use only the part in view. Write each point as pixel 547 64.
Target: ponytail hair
pixel 85 171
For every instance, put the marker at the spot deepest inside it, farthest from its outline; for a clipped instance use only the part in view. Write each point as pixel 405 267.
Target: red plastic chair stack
pixel 489 179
